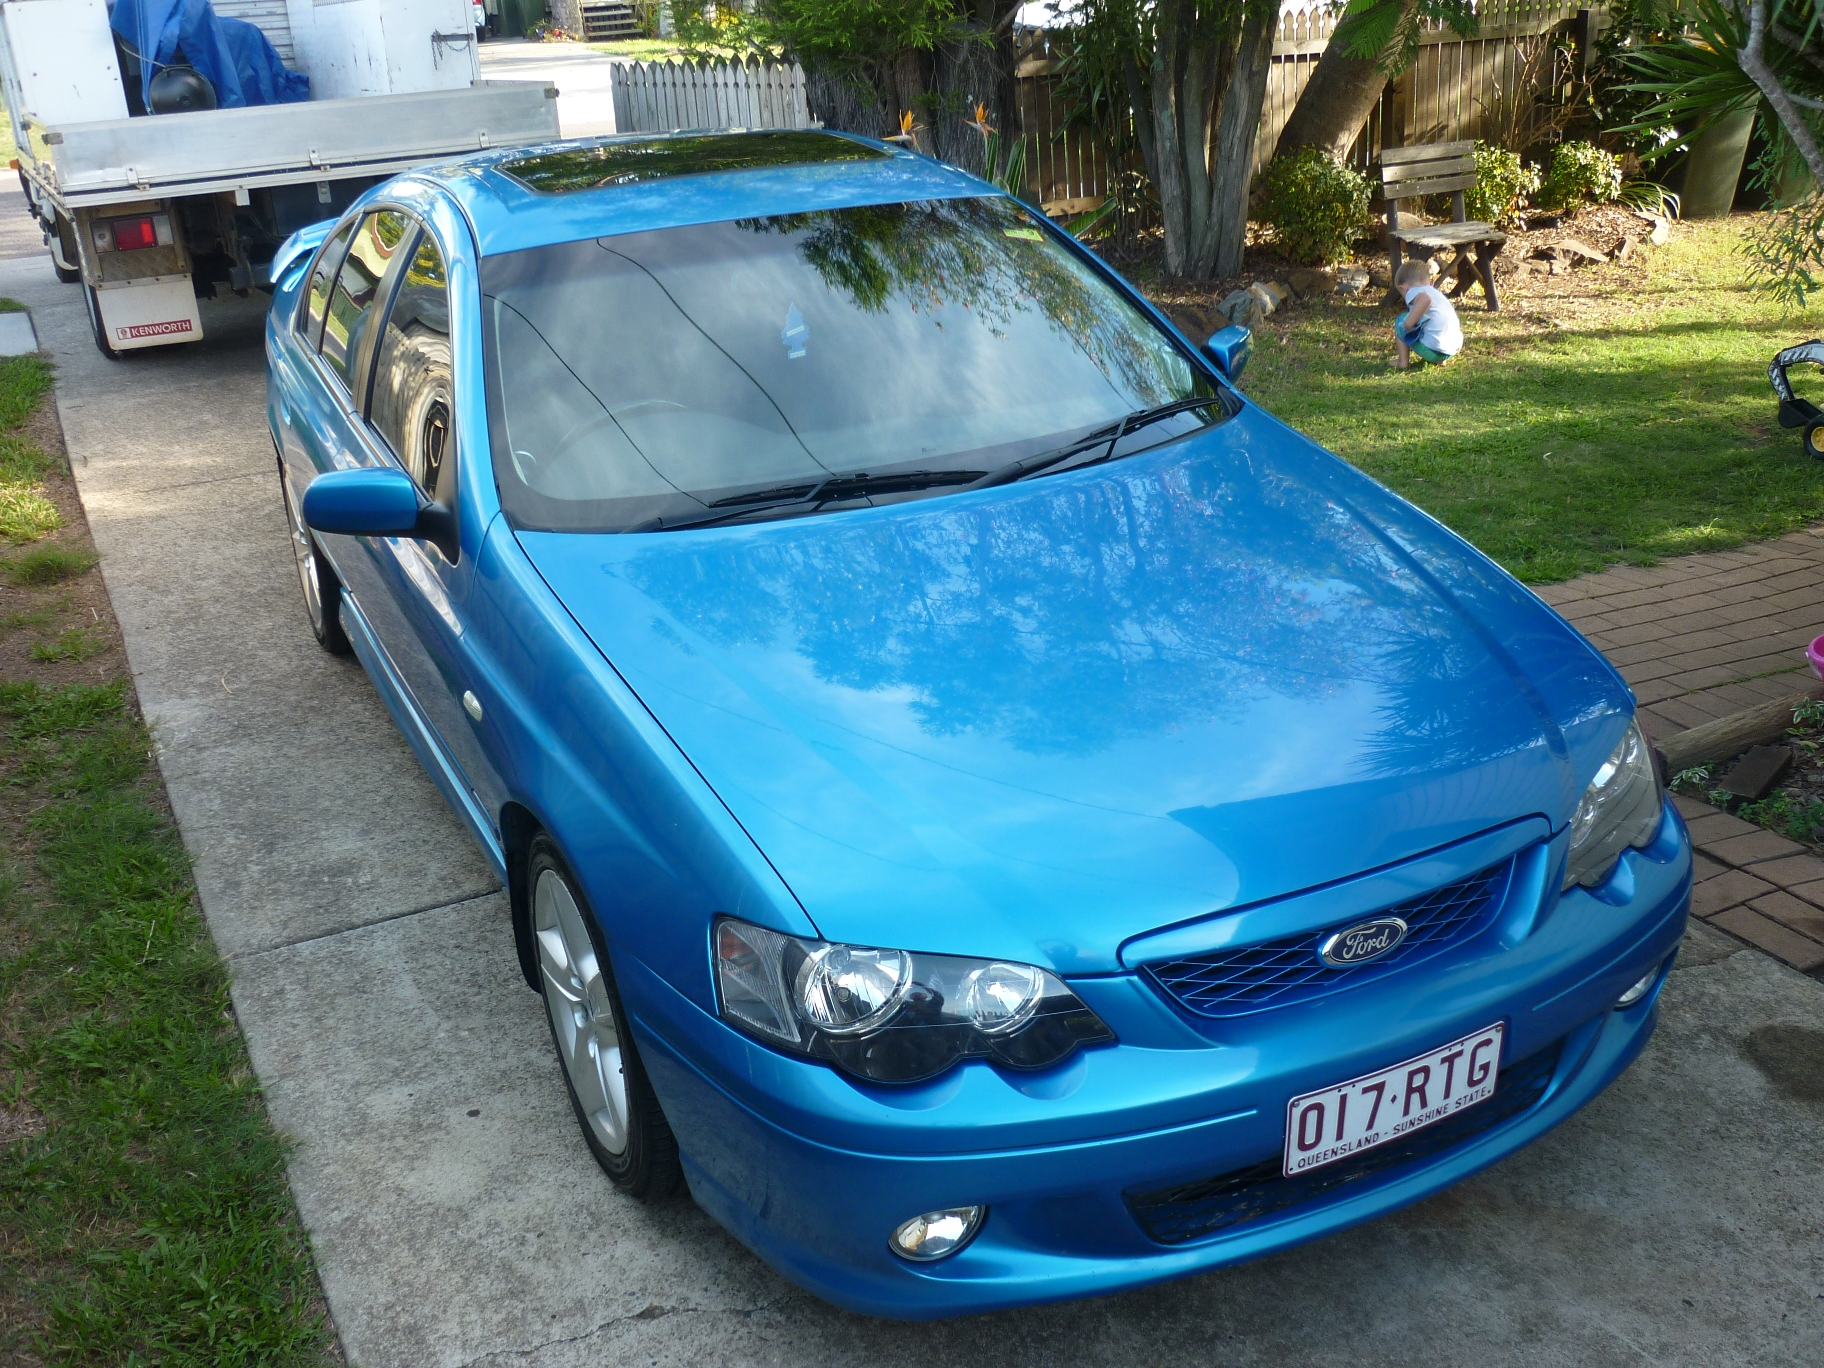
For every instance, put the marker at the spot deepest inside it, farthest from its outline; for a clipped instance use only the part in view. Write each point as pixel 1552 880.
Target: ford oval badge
pixel 1359 944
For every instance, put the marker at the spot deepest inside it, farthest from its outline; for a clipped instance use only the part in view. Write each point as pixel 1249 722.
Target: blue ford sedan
pixel 991 810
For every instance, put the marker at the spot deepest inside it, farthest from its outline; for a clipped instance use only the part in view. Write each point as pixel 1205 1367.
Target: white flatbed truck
pixel 149 213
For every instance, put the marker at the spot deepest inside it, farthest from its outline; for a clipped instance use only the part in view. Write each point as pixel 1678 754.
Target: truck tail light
pixel 133 234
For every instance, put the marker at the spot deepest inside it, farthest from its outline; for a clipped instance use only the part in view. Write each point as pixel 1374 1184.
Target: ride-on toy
pixel 1796 412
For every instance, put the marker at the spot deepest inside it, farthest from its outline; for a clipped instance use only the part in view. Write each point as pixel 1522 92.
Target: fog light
pixel 937 1233
pixel 1639 990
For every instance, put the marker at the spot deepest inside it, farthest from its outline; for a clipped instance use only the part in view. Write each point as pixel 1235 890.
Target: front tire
pixel 614 1104
pixel 322 589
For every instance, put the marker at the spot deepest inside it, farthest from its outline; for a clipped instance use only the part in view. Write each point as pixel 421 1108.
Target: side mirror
pixel 1230 350
pixel 297 247
pixel 377 502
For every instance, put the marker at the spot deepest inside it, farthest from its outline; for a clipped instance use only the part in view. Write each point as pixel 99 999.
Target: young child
pixel 1429 329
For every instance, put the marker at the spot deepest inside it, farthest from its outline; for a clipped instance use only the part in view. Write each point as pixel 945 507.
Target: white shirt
pixel 1439 328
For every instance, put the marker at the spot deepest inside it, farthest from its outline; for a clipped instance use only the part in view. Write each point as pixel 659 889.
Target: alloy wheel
pixel 582 1020
pixel 304 550
pixel 316 577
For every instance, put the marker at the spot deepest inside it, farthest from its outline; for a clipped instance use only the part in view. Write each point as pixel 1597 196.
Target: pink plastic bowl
pixel 1815 654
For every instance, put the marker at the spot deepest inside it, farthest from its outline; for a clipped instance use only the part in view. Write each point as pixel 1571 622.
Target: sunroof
pixel 629 163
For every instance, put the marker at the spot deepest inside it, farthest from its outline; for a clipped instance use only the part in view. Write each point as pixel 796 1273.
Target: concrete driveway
pixel 458 1220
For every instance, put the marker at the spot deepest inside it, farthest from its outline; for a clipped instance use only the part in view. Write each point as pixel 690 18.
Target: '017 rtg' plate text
pixel 1336 1122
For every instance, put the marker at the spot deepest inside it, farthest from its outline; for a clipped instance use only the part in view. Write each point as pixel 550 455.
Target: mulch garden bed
pixel 1527 287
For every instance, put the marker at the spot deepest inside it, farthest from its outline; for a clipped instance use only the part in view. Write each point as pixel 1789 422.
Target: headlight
pixel 893 1017
pixel 1619 809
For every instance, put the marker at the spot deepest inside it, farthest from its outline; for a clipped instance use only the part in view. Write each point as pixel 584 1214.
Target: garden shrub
pixel 1503 184
pixel 1315 205
pixel 1580 170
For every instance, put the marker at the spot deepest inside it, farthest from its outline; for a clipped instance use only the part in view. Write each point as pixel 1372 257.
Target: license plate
pixel 1336 1122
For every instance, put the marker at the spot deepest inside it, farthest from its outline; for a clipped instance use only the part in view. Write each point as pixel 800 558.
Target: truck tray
pixel 210 151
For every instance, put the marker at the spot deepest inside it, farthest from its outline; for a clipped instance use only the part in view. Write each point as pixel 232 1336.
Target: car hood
pixel 1032 722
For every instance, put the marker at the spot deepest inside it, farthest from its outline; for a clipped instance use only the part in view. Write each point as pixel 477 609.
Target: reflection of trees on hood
pixel 1066 621
pixel 940 253
pixel 1448 704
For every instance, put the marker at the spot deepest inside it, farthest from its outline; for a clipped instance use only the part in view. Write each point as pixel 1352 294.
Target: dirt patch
pixel 19 1122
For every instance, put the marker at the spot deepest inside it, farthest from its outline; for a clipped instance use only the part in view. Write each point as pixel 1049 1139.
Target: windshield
pixel 808 362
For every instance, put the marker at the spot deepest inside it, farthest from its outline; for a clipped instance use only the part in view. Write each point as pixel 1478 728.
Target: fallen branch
pixel 1727 737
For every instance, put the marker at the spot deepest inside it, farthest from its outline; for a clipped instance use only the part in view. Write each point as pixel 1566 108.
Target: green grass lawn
pixel 25 513
pixel 642 49
pixel 147 1219
pixel 144 1212
pixel 1618 414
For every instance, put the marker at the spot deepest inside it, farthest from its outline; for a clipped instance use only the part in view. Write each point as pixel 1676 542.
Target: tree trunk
pixel 1197 106
pixel 1167 138
pixel 968 73
pixel 907 82
pixel 1338 99
pixel 1235 135
pixel 841 103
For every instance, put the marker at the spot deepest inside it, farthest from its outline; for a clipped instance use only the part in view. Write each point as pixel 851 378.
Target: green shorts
pixel 1413 345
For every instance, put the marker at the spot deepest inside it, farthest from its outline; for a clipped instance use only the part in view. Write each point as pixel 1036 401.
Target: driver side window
pixel 412 406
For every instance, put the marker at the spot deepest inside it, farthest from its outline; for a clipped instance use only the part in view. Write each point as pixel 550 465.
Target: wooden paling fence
pixel 1063 163
pixel 1454 89
pixel 659 97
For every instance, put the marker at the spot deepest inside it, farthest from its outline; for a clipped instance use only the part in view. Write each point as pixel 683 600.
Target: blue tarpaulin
pixel 232 55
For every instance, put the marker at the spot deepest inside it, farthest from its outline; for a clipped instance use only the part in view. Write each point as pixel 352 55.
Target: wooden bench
pixel 1439 169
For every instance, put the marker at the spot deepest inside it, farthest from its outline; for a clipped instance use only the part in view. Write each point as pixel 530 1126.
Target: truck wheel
pixel 62 241
pixel 96 326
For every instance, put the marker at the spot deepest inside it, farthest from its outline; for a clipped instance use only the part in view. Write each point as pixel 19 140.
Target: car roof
pixel 594 187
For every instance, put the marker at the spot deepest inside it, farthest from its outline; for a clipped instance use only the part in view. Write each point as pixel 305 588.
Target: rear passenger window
pixel 411 405
pixel 321 278
pixel 357 286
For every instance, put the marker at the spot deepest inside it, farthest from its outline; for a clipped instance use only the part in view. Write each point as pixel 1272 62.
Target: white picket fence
pixel 660 97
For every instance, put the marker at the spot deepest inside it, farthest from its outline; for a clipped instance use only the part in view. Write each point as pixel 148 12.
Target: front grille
pixel 1251 978
pixel 1191 1211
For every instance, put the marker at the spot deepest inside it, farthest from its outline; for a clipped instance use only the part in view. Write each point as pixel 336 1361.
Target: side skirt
pixel 389 684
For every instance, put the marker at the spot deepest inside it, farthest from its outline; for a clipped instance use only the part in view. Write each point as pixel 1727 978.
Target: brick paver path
pixel 1763 888
pixel 1703 636
pixel 1698 638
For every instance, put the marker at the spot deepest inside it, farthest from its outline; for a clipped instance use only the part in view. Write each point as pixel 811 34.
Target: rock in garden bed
pixel 1780 787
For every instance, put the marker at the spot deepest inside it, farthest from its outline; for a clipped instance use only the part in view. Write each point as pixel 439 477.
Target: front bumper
pixel 812 1171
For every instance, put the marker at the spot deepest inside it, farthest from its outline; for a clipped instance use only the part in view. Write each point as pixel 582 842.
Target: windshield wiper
pixel 815 495
pixel 1109 437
